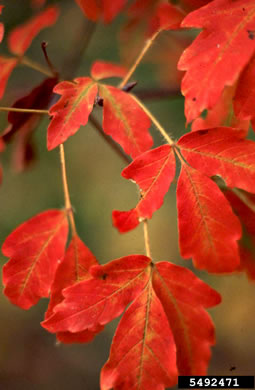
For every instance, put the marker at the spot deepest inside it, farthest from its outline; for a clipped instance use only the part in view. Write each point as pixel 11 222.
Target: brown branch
pixel 158 93
pixel 109 140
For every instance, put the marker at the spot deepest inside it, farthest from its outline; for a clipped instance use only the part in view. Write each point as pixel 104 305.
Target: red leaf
pixel 94 9
pixel 36 248
pixel 6 65
pixel 74 268
pixel 204 218
pixel 245 93
pixel 125 121
pixel 153 171
pixel 143 352
pixel 248 261
pixel 81 337
pixel 90 8
pixel 2 145
pixel 216 58
pixel 221 151
pixel 184 298
pixel 22 125
pixel 103 70
pixel 72 110
pixel 222 115
pixel 22 36
pixel 139 9
pixel 111 9
pixel 102 298
pixel 167 17
pixel 243 205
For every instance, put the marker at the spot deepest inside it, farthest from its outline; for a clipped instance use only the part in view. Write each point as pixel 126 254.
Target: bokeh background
pixel 29 356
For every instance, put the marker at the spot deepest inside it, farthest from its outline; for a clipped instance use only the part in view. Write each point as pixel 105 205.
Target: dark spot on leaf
pixel 251 34
pixel 66 104
pixel 243 9
pixel 104 276
pixel 204 132
pixel 194 99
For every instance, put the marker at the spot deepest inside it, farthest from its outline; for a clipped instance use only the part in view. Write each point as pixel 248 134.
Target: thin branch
pixel 158 93
pixel 109 140
pixel 48 61
pixel 146 238
pixel 142 53
pixel 154 121
pixel 68 205
pixel 79 45
pixel 25 110
pixel 72 64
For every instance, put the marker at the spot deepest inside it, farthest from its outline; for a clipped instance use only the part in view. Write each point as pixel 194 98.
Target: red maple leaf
pixel 204 214
pixel 123 118
pixel 153 171
pixel 157 337
pixel 22 36
pixel 204 217
pixel 74 268
pixel 72 110
pixel 35 248
pixel 113 286
pixel 219 53
pixel 143 352
pixel 221 151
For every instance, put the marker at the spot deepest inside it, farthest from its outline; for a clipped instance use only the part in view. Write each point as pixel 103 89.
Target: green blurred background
pixel 29 356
